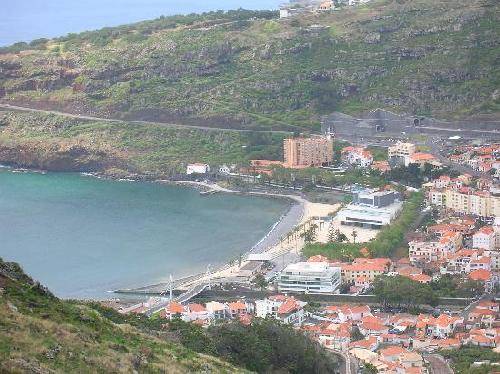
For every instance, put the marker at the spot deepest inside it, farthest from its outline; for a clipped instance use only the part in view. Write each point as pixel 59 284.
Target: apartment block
pixel 306 152
pixel 309 277
pixel 401 152
pixel 466 200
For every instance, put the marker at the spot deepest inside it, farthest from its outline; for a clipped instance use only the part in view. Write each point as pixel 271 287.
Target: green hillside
pixel 246 69
pixel 40 334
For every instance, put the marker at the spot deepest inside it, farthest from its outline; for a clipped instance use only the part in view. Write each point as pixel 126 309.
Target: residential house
pixel 173 310
pixel 357 156
pixel 196 312
pixel 420 159
pixel 217 310
pixel 484 238
pixel 237 308
pixel 291 311
pixel 197 168
pixel 364 268
pixel 484 276
pixel 374 326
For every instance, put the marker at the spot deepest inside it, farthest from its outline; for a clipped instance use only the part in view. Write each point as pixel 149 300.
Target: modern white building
pixel 309 277
pixel 197 169
pixel 367 216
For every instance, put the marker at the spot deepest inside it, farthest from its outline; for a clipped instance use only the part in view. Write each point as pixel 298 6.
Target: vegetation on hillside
pixel 464 357
pixel 403 292
pixel 40 333
pixel 48 141
pixel 386 242
pixel 265 346
pixel 249 69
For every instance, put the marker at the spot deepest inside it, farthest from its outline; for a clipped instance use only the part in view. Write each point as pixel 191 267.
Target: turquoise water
pixel 82 236
pixel 25 20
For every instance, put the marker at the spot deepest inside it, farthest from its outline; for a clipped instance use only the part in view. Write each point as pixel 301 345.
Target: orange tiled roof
pixel 175 308
pixel 487 304
pixel 365 343
pixel 290 305
pixel 450 342
pixel 421 156
pixel 480 275
pixel 422 278
pixel 196 308
pixel 237 305
pixel 392 351
pixel 487 230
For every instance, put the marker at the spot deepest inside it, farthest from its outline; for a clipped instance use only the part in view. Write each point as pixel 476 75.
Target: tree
pixel 403 292
pixel 354 236
pixel 310 234
pixel 260 281
pixel 332 234
pixel 356 334
pixel 341 237
pixel 370 369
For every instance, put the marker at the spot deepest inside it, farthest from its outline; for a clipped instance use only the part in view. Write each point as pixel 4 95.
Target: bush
pixel 264 346
pixel 463 358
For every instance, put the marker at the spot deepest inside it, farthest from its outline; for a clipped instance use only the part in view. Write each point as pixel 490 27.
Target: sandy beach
pixel 276 243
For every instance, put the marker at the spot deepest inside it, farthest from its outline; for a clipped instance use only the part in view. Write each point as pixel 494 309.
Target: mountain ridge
pixel 247 69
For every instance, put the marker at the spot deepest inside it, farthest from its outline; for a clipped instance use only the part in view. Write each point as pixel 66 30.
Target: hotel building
pixel 309 277
pixel 305 152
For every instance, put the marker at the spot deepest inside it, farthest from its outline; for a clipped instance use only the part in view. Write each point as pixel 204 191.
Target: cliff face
pixel 248 69
pixel 56 157
pixel 42 334
pixel 122 149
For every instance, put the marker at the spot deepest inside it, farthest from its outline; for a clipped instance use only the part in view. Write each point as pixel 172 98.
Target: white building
pixel 400 152
pixel 357 156
pixel 197 169
pixel 309 277
pixel 484 238
pixel 217 310
pixel 367 216
pixel 284 308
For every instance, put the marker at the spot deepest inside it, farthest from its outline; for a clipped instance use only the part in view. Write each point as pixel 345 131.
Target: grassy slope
pixel 433 58
pixel 39 332
pixel 137 148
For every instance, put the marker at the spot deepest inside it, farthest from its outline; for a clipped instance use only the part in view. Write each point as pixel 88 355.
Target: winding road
pixel 114 120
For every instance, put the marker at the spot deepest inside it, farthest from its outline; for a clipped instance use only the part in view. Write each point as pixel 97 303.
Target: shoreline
pixel 286 223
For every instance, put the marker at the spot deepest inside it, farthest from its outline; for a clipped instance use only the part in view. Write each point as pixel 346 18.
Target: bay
pixel 83 237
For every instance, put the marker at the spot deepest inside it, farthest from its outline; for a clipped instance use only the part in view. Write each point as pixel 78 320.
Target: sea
pixel 26 20
pixel 83 237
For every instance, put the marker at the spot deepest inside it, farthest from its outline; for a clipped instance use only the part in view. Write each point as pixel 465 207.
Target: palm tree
pixel 354 236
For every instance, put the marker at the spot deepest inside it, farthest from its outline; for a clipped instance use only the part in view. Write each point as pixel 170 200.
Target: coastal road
pixel 438 364
pixel 114 120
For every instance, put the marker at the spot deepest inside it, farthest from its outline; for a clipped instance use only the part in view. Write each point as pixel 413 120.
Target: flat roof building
pixel 305 152
pixel 375 198
pixel 368 216
pixel 309 277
